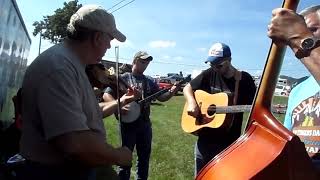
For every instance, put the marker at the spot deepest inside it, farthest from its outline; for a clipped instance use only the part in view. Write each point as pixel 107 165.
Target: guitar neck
pixel 232 109
pixel 243 108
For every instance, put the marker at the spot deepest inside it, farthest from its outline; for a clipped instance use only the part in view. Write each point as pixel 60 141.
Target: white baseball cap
pixel 94 17
pixel 142 55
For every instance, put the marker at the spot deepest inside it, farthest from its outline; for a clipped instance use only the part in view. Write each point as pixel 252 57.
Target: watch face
pixel 307 43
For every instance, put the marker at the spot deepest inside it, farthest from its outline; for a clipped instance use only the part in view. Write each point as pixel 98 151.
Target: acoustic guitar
pixel 214 109
pixel 266 150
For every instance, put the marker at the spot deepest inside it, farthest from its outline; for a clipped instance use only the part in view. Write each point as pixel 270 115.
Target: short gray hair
pixel 79 33
pixel 311 9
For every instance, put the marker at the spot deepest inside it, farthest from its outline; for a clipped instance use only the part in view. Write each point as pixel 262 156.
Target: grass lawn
pixel 172 149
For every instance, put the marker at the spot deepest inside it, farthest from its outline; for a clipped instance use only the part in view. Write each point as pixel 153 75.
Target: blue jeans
pixel 204 152
pixel 37 171
pixel 139 134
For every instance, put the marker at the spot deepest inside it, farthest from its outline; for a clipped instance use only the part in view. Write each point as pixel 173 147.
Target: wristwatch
pixel 306 46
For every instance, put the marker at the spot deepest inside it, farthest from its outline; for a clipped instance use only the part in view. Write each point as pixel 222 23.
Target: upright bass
pixel 267 150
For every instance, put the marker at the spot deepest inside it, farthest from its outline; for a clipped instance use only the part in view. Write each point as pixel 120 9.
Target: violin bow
pixel 118 91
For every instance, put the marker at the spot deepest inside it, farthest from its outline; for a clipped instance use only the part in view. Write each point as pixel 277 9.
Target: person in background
pixel 100 79
pixel 63 136
pixel 301 32
pixel 139 132
pixel 222 76
pixel 94 71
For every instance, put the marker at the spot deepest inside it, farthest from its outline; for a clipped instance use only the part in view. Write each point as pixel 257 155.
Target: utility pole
pixel 40 41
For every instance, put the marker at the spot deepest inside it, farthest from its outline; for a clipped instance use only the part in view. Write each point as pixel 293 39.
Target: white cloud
pixel 170 59
pixel 162 44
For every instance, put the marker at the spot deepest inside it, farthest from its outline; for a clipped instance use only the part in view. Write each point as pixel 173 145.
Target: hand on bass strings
pixel 287 27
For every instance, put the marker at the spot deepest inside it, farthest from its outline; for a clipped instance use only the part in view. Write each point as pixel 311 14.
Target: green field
pixel 172 149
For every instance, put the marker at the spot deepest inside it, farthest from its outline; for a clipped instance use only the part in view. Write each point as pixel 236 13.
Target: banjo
pixel 134 108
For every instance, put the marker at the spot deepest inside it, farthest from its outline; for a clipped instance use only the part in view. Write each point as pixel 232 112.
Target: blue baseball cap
pixel 217 52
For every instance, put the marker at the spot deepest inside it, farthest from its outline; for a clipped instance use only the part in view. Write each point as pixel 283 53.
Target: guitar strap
pixel 237 77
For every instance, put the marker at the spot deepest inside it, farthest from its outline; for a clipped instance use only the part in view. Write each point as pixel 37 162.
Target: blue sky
pixel 178 34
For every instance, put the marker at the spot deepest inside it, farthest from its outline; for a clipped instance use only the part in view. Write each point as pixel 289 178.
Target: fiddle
pixel 101 78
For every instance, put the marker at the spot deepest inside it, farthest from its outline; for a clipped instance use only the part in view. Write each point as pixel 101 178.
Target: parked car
pixel 281 90
pixel 164 84
pixel 173 78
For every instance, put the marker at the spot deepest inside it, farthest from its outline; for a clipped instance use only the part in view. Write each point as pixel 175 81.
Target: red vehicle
pixel 164 84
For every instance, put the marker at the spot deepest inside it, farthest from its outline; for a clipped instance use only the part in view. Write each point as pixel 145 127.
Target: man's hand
pixel 193 110
pixel 131 95
pixel 125 109
pixel 97 92
pixel 174 88
pixel 287 27
pixel 124 156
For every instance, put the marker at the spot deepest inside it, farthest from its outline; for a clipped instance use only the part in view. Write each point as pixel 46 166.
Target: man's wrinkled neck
pixel 79 50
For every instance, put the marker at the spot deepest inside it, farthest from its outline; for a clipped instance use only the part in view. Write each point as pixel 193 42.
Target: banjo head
pixel 132 114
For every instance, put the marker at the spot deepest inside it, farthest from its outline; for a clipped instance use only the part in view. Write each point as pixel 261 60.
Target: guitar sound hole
pixel 211 110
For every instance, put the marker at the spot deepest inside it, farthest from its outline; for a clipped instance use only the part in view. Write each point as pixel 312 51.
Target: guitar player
pixel 222 76
pixel 139 132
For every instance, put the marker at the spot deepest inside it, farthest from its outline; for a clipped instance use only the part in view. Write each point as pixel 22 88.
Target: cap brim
pixel 146 57
pixel 212 59
pixel 118 35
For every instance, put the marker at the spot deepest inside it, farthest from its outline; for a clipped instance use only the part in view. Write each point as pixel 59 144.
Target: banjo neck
pixel 153 96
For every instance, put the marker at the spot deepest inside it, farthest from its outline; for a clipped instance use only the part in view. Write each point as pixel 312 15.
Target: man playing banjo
pixel 137 132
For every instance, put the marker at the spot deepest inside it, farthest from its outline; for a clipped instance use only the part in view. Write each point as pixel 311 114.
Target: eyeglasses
pixel 218 66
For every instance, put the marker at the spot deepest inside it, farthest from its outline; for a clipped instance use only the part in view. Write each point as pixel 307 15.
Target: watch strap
pixel 301 52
